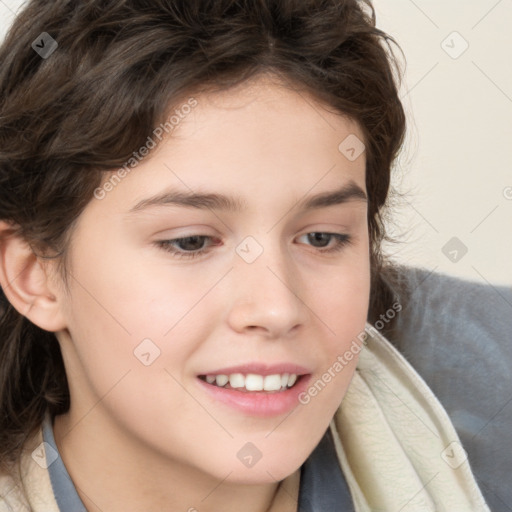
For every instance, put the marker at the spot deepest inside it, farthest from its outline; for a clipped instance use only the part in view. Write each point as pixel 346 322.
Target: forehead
pixel 260 141
pixel 268 126
pixel 267 101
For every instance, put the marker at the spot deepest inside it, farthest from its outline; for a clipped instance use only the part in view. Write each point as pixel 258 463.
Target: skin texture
pixel 156 438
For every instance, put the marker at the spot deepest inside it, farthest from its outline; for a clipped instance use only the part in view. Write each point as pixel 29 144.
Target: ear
pixel 25 282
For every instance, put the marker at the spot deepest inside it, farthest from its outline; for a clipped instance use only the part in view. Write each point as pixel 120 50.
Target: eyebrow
pixel 235 204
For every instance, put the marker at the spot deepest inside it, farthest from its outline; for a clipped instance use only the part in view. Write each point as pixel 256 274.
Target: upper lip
pixel 261 369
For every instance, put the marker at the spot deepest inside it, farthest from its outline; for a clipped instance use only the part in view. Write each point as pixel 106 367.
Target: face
pixel 168 294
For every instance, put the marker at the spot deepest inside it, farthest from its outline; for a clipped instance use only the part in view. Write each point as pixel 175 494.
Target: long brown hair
pixel 69 117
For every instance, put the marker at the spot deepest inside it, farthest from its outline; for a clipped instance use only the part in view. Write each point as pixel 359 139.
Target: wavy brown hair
pixel 120 66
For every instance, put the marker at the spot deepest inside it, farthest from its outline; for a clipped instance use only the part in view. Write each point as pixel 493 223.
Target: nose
pixel 265 296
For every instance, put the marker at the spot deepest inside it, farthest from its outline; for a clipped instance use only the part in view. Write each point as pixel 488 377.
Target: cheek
pixel 138 295
pixel 133 367
pixel 136 314
pixel 343 294
pixel 343 304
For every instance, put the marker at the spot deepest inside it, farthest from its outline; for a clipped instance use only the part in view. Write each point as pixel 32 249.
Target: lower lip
pixel 259 403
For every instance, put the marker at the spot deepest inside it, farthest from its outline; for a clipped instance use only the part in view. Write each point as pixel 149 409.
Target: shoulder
pixel 457 335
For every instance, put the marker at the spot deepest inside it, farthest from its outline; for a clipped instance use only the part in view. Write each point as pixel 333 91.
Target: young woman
pixel 190 250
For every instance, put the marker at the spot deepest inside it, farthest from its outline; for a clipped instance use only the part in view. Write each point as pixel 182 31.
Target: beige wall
pixel 456 169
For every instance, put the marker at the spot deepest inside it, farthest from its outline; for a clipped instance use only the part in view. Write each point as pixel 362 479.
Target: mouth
pixel 252 383
pixel 256 389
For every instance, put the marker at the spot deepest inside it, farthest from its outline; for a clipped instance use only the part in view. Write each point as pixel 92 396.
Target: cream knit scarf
pixel 398 449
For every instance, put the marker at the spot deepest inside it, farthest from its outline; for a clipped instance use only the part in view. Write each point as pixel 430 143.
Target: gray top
pixel 65 493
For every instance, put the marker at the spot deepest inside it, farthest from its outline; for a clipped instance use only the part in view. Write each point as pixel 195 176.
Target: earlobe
pixel 24 281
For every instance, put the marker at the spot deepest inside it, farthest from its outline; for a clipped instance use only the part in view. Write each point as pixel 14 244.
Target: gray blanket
pixel 458 336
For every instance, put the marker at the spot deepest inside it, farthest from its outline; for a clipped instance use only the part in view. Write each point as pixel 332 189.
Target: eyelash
pixel 341 240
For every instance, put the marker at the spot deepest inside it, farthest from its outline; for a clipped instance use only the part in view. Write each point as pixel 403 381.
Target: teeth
pixel 254 382
pixel 221 380
pixel 236 380
pixel 272 383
